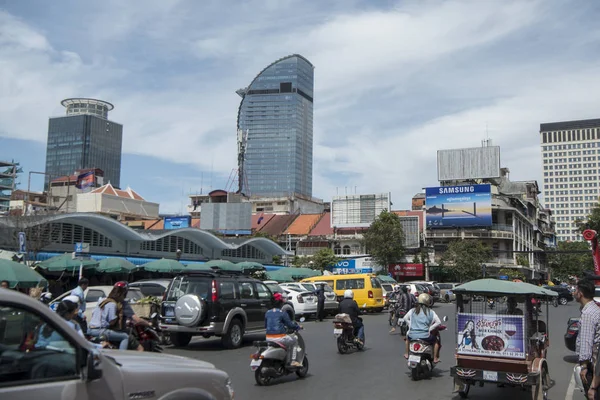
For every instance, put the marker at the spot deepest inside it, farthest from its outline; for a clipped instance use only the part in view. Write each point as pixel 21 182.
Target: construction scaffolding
pixel 8 183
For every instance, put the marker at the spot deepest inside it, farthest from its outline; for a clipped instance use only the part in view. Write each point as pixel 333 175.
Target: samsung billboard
pixel 458 206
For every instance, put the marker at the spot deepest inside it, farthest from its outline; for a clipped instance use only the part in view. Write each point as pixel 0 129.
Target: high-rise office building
pixel 570 156
pixel 84 138
pixel 276 113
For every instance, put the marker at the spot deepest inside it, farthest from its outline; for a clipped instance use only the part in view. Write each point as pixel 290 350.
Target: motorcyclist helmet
pixel 46 297
pixel 349 294
pixel 425 299
pixel 122 284
pixel 396 288
pixel 72 299
pixel 278 298
pixel 406 289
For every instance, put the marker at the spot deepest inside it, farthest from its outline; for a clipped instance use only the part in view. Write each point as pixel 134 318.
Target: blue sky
pixel 394 82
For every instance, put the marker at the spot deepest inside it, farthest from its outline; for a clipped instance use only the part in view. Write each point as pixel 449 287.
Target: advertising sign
pixel 177 222
pixel 403 269
pixel 343 267
pixel 458 206
pixel 491 335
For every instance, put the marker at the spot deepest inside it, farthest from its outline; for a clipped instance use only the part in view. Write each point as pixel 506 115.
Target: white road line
pixel 571 389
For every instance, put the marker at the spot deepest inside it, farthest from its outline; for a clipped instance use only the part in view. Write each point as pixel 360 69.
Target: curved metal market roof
pixel 116 230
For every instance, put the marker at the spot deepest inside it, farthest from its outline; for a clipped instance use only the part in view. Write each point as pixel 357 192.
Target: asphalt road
pixel 379 372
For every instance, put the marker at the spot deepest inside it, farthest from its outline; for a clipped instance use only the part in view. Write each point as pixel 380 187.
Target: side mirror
pixel 302 319
pixel 445 318
pixel 153 315
pixel 93 365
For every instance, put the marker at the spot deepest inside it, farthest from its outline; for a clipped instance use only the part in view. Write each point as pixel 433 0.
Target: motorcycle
pixel 402 323
pixel 269 360
pixel 164 337
pixel 145 335
pixel 392 310
pixel 344 334
pixel 420 359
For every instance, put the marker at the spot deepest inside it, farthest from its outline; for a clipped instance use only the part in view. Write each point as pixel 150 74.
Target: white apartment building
pixel 570 157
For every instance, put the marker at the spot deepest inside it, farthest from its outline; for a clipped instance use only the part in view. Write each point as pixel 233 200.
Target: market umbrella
pixel 386 278
pixel 66 263
pixel 251 265
pixel 290 274
pixel 223 265
pixel 164 265
pixel 20 275
pixel 115 266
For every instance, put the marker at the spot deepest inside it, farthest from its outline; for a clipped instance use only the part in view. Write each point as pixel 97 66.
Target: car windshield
pixel 180 287
pixel 309 286
pixel 275 288
pixel 445 286
pixel 387 287
pixel 134 295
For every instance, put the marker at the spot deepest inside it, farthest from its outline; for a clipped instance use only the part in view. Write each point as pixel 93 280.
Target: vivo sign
pixel 345 264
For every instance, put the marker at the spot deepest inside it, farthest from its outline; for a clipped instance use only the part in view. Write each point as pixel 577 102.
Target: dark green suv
pixel 215 304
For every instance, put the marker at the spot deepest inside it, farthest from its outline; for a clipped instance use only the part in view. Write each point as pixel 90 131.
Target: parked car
pixel 564 294
pixel 94 293
pixel 152 287
pixel 276 288
pixel 432 289
pixel 214 303
pixel 571 334
pixel 70 364
pixel 305 302
pixel 331 303
pixel 447 291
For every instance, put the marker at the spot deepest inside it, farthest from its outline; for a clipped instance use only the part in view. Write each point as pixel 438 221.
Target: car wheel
pixel 563 301
pixel 234 336
pixel 180 339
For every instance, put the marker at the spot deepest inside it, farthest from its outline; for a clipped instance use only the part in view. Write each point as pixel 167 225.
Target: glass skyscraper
pixel 277 113
pixel 84 138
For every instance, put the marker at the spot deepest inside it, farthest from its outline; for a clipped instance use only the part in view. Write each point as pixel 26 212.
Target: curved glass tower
pixel 276 113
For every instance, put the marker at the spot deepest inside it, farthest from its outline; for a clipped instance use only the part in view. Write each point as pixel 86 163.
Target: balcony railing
pixel 467 233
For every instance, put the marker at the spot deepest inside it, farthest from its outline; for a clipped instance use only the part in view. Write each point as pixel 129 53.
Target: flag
pixel 85 180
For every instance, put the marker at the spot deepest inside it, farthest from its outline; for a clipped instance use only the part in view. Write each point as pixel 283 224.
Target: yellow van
pixel 366 287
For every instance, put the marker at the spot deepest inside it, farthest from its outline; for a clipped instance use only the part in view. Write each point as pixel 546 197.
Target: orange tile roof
pixel 303 224
pixel 323 227
pixel 154 224
pixel 195 223
pixel 263 221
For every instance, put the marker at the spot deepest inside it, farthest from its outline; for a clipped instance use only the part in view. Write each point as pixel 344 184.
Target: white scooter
pixel 420 357
pixel 269 361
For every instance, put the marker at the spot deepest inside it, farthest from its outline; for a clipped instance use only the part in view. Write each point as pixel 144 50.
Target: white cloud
pixel 392 85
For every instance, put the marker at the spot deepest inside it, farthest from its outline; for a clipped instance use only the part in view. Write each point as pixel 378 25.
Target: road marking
pixel 571 389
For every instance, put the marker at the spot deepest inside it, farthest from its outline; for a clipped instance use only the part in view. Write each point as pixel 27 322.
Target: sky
pixel 395 81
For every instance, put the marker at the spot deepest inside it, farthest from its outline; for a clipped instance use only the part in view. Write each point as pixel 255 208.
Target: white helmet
pixel 72 299
pixel 425 299
pixel 396 288
pixel 348 294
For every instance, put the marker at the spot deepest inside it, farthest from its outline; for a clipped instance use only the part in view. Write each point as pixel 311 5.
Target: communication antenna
pixel 242 141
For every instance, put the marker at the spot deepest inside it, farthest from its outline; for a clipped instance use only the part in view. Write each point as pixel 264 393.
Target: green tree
pixel 323 258
pixel 276 259
pixel 522 260
pixel 464 258
pixel 298 261
pixel 384 239
pixel 259 234
pixel 512 273
pixel 568 264
pixel 592 221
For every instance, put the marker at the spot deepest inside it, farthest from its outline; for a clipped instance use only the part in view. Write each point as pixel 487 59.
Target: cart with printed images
pixel 504 346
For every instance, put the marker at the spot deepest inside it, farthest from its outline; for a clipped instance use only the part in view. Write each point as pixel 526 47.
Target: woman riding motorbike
pixel 277 322
pixel 422 322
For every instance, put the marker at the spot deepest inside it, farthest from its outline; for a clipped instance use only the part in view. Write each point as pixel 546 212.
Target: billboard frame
pixel 377 209
pixel 461 215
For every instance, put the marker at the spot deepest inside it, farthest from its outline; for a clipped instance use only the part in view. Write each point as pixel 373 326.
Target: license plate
pixel 414 359
pixel 255 364
pixel 337 331
pixel 490 376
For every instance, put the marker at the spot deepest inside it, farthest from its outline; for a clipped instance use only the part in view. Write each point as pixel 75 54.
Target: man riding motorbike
pixel 277 323
pixel 349 306
pixel 422 320
pixel 405 302
pixel 109 317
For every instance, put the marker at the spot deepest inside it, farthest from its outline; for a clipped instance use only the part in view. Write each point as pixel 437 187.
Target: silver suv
pixel 41 356
pixel 215 304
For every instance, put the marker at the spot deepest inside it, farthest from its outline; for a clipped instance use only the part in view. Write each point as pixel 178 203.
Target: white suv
pixel 331 303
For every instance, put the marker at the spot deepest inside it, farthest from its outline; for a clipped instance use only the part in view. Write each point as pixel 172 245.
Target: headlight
pixel 230 388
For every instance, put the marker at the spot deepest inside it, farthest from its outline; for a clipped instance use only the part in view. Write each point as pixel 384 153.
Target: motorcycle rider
pixel 109 318
pixel 277 322
pixel 349 306
pixel 422 320
pixel 405 302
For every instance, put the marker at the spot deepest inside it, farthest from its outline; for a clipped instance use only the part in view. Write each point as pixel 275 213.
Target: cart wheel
pixel 464 393
pixel 540 391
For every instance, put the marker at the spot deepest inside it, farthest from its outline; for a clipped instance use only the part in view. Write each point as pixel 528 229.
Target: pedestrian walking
pixel 320 292
pixel 588 338
pixel 79 291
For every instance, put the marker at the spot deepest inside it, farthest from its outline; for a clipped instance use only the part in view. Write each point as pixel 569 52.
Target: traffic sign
pixel 503 277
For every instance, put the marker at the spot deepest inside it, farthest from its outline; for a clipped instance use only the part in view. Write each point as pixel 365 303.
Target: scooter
pixel 402 323
pixel 269 360
pixel 344 334
pixel 420 358
pixel 145 335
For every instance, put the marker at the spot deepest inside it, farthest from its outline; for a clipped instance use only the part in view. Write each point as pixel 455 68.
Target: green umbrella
pixel 197 267
pixel 66 263
pixel 164 265
pixel 116 266
pixel 20 275
pixel 386 278
pixel 290 274
pixel 223 265
pixel 251 265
